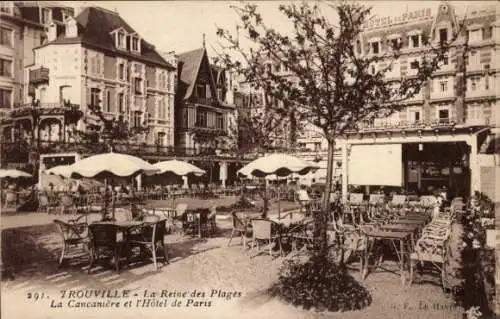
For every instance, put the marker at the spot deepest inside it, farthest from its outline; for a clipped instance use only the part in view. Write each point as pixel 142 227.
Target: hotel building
pixel 444 136
pixel 22 28
pixel 95 58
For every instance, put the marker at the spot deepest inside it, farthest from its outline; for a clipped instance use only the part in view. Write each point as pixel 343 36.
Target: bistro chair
pixel 72 235
pixel 210 227
pixel 67 204
pixel 301 235
pixel 105 238
pixel 93 217
pixel 44 203
pixel 150 235
pixel 240 227
pixel 95 202
pixel 262 230
pixel 123 215
pixel 10 199
pixel 304 200
pixel 356 198
pixel 196 221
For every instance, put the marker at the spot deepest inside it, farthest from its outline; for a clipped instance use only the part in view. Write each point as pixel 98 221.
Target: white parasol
pixel 179 168
pixel 109 165
pixel 278 164
pixel 112 164
pixel 10 173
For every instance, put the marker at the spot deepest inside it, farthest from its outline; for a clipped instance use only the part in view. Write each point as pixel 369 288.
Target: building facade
pixel 203 116
pixel 22 29
pixel 441 138
pixel 93 59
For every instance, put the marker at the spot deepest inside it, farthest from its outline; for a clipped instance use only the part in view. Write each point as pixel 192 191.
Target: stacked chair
pixel 431 246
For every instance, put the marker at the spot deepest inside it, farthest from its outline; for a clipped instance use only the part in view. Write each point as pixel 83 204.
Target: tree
pixel 329 83
pixel 259 125
pixel 103 132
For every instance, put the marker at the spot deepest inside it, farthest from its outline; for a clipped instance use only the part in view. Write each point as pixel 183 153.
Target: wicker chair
pixel 10 199
pixel 44 203
pixel 150 235
pixel 105 238
pixel 67 204
pixel 123 215
pixel 210 226
pixel 72 235
pixel 240 227
pixel 262 230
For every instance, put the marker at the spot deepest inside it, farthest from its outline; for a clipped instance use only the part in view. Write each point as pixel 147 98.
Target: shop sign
pixel 417 15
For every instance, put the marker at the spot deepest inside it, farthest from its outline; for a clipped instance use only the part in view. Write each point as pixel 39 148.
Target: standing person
pixel 439 204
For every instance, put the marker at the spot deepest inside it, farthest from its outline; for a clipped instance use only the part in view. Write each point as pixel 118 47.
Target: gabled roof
pixel 94 28
pixel 189 67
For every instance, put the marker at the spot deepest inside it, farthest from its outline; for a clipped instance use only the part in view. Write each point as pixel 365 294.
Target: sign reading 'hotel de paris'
pixel 417 15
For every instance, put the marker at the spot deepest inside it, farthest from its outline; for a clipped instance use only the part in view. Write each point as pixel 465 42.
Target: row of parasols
pixel 110 165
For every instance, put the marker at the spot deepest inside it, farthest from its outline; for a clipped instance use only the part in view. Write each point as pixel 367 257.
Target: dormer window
pixel 120 40
pixel 46 15
pixel 135 44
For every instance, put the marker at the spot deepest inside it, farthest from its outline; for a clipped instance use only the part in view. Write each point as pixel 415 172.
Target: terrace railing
pixel 19 151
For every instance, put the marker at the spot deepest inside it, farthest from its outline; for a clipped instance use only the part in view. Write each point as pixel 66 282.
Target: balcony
pixel 49 108
pixel 477 121
pixel 38 76
pixel 18 151
pixel 205 101
pixel 374 126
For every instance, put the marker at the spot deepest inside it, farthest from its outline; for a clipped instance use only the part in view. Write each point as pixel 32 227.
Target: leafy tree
pixel 259 123
pixel 328 82
pixel 103 132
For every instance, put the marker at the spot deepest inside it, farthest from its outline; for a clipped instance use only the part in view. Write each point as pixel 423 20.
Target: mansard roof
pixel 95 26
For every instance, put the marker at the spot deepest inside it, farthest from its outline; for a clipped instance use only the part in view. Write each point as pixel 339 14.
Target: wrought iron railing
pixel 19 151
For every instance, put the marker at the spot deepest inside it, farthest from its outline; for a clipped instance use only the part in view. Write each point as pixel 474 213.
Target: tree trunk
pixel 329 174
pixel 321 217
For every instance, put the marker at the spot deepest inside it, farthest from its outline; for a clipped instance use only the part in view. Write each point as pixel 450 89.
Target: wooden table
pixel 406 221
pixel 121 224
pixel 290 219
pixel 394 237
pixel 413 229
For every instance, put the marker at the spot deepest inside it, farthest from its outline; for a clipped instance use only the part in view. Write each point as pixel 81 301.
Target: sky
pixel 179 25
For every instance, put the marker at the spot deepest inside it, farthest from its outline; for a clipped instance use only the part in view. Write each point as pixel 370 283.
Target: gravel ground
pixel 206 265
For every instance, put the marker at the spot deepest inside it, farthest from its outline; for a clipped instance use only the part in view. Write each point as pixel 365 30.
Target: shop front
pixel 419 162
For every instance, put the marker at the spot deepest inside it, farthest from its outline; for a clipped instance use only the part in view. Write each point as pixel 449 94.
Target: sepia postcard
pixel 261 159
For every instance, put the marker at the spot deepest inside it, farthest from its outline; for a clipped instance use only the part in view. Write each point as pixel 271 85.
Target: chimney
pixel 52 32
pixel 170 57
pixel 78 10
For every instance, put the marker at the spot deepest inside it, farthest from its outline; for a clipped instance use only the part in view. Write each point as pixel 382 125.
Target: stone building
pixel 442 138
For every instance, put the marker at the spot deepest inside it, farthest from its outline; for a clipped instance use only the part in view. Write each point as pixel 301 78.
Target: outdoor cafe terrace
pixel 121 230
